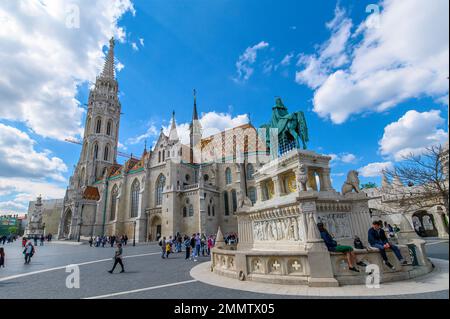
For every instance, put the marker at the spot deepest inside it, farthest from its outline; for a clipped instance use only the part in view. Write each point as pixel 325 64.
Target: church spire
pixel 194 113
pixel 173 135
pixel 108 68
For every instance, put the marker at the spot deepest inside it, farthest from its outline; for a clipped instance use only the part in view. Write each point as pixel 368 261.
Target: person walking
pixel 28 252
pixel 210 245
pixel 118 258
pixel 193 256
pixel 42 240
pixel 168 248
pixel 187 246
pixel 2 257
pixel 125 239
pixel 91 240
pixel 162 243
pixel 35 238
pixel 24 242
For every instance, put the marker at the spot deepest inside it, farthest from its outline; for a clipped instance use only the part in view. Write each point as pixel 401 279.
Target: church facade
pixel 172 188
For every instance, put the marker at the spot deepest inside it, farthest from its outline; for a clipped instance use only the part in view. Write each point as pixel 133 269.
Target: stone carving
pixel 352 183
pixel 287 228
pixel 302 177
pixel 337 224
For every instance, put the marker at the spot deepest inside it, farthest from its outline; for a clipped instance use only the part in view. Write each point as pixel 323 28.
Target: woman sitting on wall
pixel 334 247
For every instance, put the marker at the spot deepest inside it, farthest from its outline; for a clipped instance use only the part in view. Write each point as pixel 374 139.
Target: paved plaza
pixel 147 275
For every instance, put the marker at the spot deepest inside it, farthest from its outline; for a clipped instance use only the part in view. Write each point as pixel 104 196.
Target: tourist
pixel 187 246
pixel 193 256
pixel 377 239
pixel 118 258
pixel 198 244
pixel 2 257
pixel 390 231
pixel 112 239
pixel 125 239
pixel 35 238
pixel 91 241
pixel 334 247
pixel 162 243
pixel 210 244
pixel 179 243
pixel 104 241
pixel 42 240
pixel 28 252
pixel 24 241
pixel 168 247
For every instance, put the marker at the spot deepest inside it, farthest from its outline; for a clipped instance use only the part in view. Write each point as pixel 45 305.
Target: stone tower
pixel 195 130
pixel 102 125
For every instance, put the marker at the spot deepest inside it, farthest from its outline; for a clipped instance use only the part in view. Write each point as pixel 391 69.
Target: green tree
pixel 12 230
pixel 368 185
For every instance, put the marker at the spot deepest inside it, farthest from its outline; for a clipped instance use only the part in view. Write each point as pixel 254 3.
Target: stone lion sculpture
pixel 302 177
pixel 352 183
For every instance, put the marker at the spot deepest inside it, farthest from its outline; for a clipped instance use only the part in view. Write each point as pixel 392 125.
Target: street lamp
pixel 134 233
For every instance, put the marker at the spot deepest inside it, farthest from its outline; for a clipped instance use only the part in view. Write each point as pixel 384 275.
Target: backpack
pixel 358 244
pixel 160 243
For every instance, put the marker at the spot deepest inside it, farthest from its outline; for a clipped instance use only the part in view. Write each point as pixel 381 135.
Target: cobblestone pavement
pixel 147 274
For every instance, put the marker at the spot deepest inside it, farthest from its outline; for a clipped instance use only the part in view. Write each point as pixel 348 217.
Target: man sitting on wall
pixel 377 239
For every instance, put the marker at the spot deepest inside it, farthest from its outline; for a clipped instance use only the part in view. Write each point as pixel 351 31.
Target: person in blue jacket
pixel 334 247
pixel 377 239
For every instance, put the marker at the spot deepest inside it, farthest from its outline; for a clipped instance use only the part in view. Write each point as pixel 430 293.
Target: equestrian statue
pixel 291 127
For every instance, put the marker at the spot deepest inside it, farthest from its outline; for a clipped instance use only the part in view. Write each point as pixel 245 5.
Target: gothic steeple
pixel 195 132
pixel 194 113
pixel 173 135
pixel 108 68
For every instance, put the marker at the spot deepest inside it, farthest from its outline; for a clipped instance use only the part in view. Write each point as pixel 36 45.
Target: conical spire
pixel 108 69
pixel 173 135
pixel 194 113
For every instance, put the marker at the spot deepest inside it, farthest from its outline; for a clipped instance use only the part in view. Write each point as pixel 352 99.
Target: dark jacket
pixel 329 241
pixel 377 237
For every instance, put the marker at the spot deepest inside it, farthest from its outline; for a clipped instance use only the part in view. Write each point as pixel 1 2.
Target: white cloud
pixel 331 54
pixel 412 133
pixel 44 60
pixel 374 169
pixel 18 158
pixel 402 58
pixel 151 132
pixel 246 60
pixel 134 46
pixel 212 123
pixel 22 190
pixel 347 158
pixel 287 59
pixel 141 41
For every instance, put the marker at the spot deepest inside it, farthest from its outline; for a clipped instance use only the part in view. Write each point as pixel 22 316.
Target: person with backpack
pixel 28 252
pixel 168 248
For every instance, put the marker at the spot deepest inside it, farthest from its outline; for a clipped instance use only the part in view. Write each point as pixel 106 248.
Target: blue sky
pixel 371 88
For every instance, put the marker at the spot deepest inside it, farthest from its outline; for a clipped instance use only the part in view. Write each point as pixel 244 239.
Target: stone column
pixel 325 182
pixel 259 193
pixel 311 185
pixel 277 186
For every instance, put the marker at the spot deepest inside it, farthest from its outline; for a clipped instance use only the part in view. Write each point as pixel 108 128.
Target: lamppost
pixel 134 233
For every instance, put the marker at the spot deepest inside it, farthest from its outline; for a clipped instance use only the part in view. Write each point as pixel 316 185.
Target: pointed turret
pixel 108 68
pixel 173 135
pixel 194 113
pixel 396 181
pixel 195 133
pixel 385 182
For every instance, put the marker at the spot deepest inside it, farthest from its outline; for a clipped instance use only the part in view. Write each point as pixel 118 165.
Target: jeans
pixel 27 258
pixel 163 249
pixel 383 251
pixel 197 250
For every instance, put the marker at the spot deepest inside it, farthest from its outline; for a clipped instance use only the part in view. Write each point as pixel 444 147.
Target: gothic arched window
pixel 214 210
pixel 95 151
pixel 88 126
pixel 135 189
pixel 159 157
pixel 191 210
pixel 226 204
pixel 209 210
pixel 250 171
pixel 252 194
pixel 98 126
pixel 114 194
pixel 106 153
pixel 108 128
pixel 160 183
pixel 184 211
pixel 234 200
pixel 228 178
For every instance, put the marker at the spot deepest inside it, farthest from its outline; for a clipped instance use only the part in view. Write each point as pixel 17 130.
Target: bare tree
pixel 426 178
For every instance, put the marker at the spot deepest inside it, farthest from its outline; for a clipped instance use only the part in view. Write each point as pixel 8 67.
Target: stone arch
pixel 106 152
pixel 98 125
pixel 134 203
pixel 67 223
pixel 155 228
pixel 95 151
pixel 424 224
pixel 113 207
pixel 109 127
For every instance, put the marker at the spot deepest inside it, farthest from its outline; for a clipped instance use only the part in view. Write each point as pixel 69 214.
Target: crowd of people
pixel 102 241
pixel 8 239
pixel 194 246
